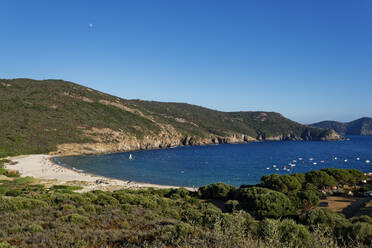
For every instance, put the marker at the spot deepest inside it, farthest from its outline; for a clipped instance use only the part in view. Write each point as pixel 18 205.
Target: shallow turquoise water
pixel 234 164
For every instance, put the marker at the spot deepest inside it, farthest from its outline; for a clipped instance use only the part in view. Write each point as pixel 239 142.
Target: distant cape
pixel 362 126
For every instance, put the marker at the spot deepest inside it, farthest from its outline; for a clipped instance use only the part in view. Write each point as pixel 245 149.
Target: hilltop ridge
pixel 362 126
pixel 60 117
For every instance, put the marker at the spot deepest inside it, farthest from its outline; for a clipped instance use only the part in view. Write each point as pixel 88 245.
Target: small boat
pixel 367 161
pixel 274 166
pixel 335 158
pixel 267 168
pixel 311 159
pixel 345 160
pixel 300 159
pixel 322 161
pixel 130 157
pixel 358 158
pixel 315 163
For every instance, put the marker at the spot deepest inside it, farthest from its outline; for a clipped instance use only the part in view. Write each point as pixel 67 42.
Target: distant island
pixel 362 126
pixel 59 117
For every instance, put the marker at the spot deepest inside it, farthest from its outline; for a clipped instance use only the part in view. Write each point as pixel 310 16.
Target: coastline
pixel 42 167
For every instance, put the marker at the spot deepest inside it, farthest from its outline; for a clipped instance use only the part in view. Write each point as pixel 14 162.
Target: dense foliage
pixel 219 215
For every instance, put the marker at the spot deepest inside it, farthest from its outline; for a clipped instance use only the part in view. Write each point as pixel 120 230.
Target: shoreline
pixel 41 166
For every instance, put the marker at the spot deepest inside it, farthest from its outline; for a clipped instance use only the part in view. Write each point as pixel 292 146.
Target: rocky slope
pixel 362 126
pixel 61 117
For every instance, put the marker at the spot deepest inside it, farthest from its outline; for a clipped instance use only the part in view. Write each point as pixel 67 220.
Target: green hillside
pixel 362 126
pixel 38 116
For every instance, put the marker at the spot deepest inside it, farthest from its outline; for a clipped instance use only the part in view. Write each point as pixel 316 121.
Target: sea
pixel 235 164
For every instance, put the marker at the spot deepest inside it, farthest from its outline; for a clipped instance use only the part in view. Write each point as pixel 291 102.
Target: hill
pixel 66 118
pixel 362 126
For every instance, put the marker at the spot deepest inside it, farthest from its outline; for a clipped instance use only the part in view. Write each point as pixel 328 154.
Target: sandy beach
pixel 41 166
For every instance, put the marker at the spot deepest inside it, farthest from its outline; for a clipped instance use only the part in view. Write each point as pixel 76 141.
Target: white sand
pixel 41 166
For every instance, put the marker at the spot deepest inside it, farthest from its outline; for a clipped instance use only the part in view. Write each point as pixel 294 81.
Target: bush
pixel 286 233
pixel 77 219
pixel 6 245
pixel 34 228
pixel 363 218
pixel 323 217
pixel 231 205
pixel 286 184
pixel 360 233
pixel 215 191
pixel 66 187
pixel 264 203
pixel 18 203
pixel 308 198
pixel 178 193
pixel 320 179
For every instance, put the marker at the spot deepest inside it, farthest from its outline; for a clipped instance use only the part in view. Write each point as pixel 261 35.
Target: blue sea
pixel 235 164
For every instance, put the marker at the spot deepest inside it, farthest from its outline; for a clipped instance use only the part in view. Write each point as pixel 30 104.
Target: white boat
pixel 367 161
pixel 311 159
pixel 345 160
pixel 315 163
pixel 358 158
pixel 130 157
pixel 322 161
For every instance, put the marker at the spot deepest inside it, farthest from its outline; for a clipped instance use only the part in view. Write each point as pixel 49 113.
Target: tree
pixel 308 199
pixel 320 179
pixel 264 203
pixel 285 184
pixel 216 191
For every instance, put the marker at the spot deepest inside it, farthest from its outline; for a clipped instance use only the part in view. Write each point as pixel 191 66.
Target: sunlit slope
pixel 50 115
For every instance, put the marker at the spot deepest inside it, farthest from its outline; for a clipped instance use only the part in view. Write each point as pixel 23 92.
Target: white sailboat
pixel 130 157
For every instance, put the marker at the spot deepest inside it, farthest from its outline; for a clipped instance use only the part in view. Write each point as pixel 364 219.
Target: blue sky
pixel 309 60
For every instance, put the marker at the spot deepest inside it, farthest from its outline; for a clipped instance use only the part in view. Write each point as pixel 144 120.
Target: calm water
pixel 234 164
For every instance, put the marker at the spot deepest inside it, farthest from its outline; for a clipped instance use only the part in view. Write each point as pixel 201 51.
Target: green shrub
pixel 18 203
pixel 34 228
pixel 308 198
pixel 320 179
pixel 178 193
pixel 77 219
pixel 183 230
pixel 66 187
pixel 231 205
pixel 286 233
pixel 363 218
pixel 286 184
pixel 3 171
pixel 105 200
pixel 215 191
pixel 264 203
pixel 360 233
pixel 13 192
pixel 323 217
pixel 6 245
pixel 11 174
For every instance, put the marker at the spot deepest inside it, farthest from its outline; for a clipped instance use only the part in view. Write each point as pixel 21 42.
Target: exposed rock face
pixel 109 141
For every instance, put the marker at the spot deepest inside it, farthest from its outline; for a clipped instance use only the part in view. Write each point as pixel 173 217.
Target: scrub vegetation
pixel 279 212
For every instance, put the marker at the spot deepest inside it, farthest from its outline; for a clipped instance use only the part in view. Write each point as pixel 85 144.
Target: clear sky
pixel 309 60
